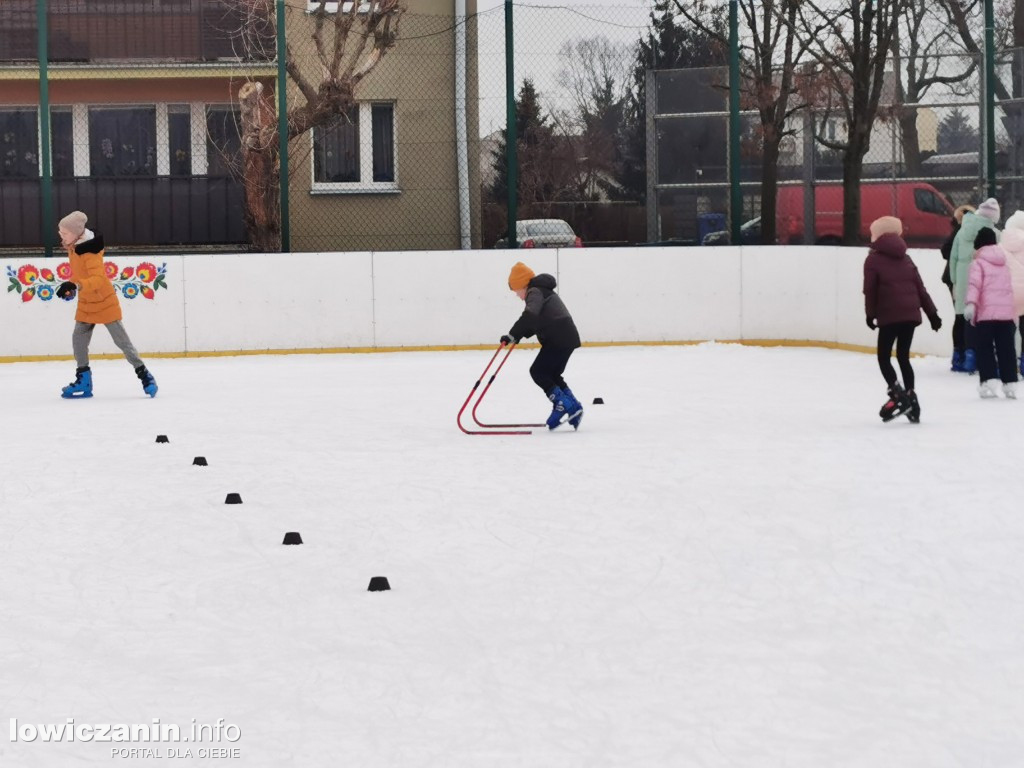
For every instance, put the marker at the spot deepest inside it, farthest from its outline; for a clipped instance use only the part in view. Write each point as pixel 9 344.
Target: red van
pixel 926 214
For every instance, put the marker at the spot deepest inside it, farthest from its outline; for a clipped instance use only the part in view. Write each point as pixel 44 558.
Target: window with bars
pixel 122 141
pixel 223 141
pixel 179 140
pixel 19 148
pixel 62 143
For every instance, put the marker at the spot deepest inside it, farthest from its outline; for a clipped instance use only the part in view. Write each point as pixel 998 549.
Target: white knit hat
pixel 74 223
pixel 1016 221
pixel 990 210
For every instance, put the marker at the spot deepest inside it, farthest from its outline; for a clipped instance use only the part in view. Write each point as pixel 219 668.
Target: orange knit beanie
pixel 520 276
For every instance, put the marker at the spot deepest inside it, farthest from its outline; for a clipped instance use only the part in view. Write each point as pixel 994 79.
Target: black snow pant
pixel 958 332
pixel 996 340
pixel 548 368
pixel 958 323
pixel 902 334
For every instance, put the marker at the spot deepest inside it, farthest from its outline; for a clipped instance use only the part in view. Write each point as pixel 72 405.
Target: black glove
pixel 507 339
pixel 871 323
pixel 936 322
pixel 66 290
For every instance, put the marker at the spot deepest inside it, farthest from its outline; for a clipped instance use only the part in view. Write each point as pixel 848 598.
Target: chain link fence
pixel 162 119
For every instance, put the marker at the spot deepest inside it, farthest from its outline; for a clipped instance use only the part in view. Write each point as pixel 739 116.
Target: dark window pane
pixel 122 142
pixel 179 141
pixel 19 143
pixel 62 140
pixel 336 149
pixel 383 142
pixel 223 142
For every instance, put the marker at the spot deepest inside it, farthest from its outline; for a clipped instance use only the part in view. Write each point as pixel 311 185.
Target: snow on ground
pixel 732 563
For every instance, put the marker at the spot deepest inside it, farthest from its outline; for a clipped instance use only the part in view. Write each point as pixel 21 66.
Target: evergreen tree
pixel 667 45
pixel 957 135
pixel 535 144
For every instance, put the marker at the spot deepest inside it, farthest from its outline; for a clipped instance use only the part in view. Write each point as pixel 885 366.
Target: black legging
pixel 902 334
pixel 547 369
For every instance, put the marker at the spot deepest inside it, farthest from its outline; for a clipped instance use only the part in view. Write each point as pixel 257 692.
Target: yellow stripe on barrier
pixel 456 348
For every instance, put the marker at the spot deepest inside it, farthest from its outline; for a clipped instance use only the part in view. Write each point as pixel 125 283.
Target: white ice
pixel 732 563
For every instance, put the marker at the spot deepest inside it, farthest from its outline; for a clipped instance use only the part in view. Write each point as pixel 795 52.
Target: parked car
pixel 542 233
pixel 924 211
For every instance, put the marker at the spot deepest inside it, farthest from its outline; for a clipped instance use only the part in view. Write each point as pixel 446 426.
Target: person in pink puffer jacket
pixel 990 308
pixel 1013 246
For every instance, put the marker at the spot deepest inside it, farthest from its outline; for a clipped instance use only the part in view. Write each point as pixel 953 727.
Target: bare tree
pixel 924 54
pixel 594 76
pixel 771 80
pixel 348 40
pixel 850 40
pixel 964 16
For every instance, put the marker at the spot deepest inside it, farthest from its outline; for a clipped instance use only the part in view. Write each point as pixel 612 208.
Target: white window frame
pixel 366 184
pixel 332 7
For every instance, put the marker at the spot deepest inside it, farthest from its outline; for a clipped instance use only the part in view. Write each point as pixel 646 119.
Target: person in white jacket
pixel 1013 246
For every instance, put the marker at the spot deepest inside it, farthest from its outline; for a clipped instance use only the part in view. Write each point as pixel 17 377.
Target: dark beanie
pixel 985 237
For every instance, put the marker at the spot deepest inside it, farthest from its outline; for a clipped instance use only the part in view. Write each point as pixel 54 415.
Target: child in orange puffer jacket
pixel 97 305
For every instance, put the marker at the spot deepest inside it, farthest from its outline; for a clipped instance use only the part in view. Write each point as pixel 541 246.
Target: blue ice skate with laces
pixel 573 408
pixel 80 387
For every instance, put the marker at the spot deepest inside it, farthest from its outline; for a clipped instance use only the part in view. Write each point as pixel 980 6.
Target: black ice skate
pixel 897 404
pixel 914 412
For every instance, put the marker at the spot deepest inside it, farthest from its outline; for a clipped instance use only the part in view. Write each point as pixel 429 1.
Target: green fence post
pixel 511 137
pixel 47 224
pixel 735 190
pixel 990 98
pixel 282 126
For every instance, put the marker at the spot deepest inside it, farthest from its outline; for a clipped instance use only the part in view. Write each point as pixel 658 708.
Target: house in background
pixel 386 176
pixel 144 128
pixel 143 119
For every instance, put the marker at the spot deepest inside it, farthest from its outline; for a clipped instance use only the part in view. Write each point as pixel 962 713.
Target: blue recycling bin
pixel 709 222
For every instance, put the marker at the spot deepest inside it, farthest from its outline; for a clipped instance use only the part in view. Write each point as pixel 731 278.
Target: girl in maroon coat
pixel 894 296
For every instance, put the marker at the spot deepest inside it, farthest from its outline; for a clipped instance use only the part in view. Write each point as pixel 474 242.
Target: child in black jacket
pixel 546 316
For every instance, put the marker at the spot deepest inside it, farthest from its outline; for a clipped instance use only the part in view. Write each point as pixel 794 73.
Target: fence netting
pixel 162 123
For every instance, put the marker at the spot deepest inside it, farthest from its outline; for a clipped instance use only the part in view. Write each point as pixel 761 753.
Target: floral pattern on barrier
pixel 30 282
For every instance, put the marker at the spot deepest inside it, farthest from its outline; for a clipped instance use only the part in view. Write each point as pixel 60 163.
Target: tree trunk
pixel 1018 24
pixel 261 173
pixel 769 190
pixel 262 199
pixel 853 167
pixel 910 141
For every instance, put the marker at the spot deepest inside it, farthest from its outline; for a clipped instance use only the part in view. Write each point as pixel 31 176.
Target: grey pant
pixel 83 335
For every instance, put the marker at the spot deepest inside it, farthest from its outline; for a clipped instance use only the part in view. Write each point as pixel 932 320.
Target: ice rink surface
pixel 733 563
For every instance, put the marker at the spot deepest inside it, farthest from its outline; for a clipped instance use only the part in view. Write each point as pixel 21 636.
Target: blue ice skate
pixel 572 408
pixel 970 364
pixel 957 364
pixel 80 387
pixel 148 382
pixel 557 398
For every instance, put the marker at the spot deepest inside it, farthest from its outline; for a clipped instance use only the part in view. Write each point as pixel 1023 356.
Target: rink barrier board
pixel 244 304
